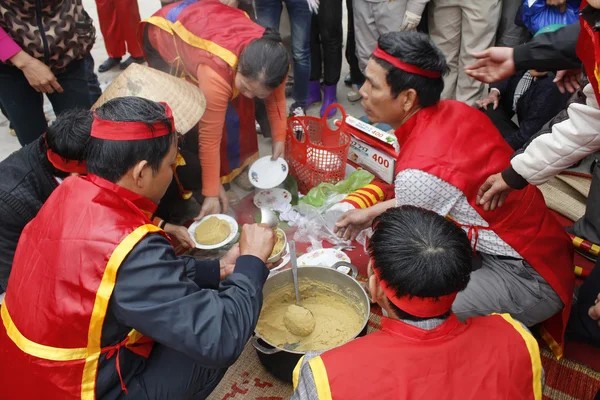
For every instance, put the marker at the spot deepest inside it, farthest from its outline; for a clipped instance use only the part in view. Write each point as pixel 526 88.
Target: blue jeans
pixel 268 13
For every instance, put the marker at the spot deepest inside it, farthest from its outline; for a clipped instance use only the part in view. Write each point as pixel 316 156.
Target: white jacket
pixel 570 141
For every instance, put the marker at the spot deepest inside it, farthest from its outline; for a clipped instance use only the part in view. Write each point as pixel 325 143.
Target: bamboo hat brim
pixel 185 99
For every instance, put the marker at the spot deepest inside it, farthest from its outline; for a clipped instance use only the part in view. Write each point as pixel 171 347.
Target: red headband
pixel 115 130
pixel 62 164
pixel 413 69
pixel 423 307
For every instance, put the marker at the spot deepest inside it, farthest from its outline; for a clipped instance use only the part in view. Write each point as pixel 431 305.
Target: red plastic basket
pixel 316 153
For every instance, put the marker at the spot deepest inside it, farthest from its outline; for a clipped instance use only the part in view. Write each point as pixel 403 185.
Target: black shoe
pixel 348 80
pixel 109 64
pixel 131 60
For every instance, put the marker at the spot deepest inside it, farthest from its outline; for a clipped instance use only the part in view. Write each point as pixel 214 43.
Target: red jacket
pixel 206 32
pixel 64 272
pixel 467 149
pixel 491 357
pixel 588 51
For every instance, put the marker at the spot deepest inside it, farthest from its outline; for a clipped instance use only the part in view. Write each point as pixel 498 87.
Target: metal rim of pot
pixel 277 349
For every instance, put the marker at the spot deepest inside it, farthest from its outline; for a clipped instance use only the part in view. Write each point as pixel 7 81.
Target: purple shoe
pixel 329 98
pixel 314 93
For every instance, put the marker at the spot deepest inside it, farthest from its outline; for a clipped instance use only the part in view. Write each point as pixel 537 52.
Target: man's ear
pixel 411 99
pixel 138 172
pixel 375 289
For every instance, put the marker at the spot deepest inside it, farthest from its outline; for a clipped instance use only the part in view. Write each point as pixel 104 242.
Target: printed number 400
pixel 381 161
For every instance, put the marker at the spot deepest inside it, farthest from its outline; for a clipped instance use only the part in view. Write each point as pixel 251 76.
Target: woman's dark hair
pixel 111 159
pixel 417 49
pixel 68 136
pixel 265 60
pixel 420 253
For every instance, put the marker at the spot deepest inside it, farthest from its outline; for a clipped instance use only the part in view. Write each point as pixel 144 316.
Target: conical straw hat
pixel 186 101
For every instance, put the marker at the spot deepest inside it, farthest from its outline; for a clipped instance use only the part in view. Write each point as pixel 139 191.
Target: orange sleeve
pixel 218 94
pixel 275 105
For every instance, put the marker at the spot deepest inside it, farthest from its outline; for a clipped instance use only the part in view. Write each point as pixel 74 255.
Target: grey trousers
pixel 460 28
pixel 510 286
pixel 373 19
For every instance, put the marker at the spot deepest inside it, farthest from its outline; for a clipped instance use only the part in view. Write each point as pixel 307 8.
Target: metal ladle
pixel 299 322
pixel 268 217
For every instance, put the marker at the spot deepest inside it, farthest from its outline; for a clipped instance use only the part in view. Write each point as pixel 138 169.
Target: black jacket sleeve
pixel 12 226
pixel 550 51
pixel 500 85
pixel 154 295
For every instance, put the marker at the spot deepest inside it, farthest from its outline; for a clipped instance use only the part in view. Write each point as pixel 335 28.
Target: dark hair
pixel 110 159
pixel 265 60
pixel 414 48
pixel 420 253
pixel 68 136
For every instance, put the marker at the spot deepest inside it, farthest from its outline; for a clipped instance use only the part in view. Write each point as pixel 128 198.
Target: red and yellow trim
pixel 365 197
pixel 177 28
pixel 319 373
pixel 321 380
pixel 107 285
pixel 91 353
pixel 534 354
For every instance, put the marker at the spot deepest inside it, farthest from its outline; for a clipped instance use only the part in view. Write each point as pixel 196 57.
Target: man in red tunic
pixel 447 150
pixel 419 262
pixel 98 305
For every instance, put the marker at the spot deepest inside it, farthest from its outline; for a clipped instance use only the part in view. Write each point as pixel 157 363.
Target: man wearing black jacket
pixel 32 173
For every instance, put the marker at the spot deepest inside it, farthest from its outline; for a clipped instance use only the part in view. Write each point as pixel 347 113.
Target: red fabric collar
pixel 404 130
pixel 115 130
pixel 146 205
pixel 397 327
pixel 411 69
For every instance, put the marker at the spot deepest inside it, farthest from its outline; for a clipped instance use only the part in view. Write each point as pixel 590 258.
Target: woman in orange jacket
pixel 233 60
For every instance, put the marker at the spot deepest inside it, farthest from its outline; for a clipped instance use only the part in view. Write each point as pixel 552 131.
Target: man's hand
pixel 568 80
pixel 493 192
pixel 278 150
pixel 227 263
pixel 214 205
pixel 560 4
pixel 38 74
pixel 492 65
pixel 410 22
pixel 181 234
pixel 352 223
pixel 257 240
pixel 491 98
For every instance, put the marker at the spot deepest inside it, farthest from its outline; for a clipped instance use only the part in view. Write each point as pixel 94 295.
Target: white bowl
pixel 232 224
pixel 277 257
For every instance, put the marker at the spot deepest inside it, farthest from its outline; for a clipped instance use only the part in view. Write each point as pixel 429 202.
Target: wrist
pixel 21 59
pixel 496 91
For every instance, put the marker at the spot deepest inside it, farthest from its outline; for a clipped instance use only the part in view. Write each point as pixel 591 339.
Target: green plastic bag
pixel 321 193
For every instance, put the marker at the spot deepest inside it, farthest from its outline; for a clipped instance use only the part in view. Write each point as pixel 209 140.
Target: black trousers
pixel 25 107
pixel 173 375
pixel 326 39
pixel 355 74
pixel 581 327
pixel 502 119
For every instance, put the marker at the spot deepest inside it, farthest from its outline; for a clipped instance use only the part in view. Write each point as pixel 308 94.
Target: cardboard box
pixel 372 149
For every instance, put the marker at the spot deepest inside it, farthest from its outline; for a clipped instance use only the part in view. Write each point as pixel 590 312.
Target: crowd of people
pixel 464 259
